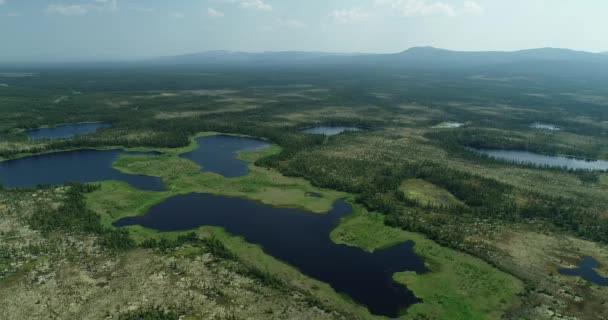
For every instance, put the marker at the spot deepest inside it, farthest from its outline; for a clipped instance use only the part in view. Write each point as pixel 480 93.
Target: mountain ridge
pixel 415 57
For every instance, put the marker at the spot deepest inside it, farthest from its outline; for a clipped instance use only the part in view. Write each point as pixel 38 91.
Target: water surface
pixel 330 130
pixel 586 270
pixel 314 195
pixel 545 126
pixel 218 154
pixel 299 238
pixel 71 166
pixel 66 131
pixel 525 157
pixel 450 124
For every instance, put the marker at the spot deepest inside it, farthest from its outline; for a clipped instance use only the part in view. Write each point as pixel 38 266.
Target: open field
pixel 427 193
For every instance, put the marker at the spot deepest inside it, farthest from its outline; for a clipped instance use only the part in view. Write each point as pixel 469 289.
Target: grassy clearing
pixel 427 193
pixel 164 115
pixel 458 286
pixel 115 200
pixel 367 231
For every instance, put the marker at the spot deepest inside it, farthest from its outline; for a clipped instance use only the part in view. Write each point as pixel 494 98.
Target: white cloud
pixel 178 15
pixel 80 9
pixel 215 13
pixel 410 8
pixel 289 24
pixel 109 4
pixel 67 10
pixel 472 7
pixel 413 8
pixel 142 9
pixel 350 15
pixel 255 5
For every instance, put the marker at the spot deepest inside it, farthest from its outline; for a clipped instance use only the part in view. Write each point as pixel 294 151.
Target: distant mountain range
pixel 236 57
pixel 414 57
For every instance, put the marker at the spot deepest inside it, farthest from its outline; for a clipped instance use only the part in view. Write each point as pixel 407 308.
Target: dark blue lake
pixel 525 157
pixel 586 270
pixel 71 166
pixel 330 130
pixel 300 239
pixel 218 154
pixel 66 131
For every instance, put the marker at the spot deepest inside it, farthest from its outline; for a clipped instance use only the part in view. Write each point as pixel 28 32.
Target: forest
pixel 377 187
pixel 164 108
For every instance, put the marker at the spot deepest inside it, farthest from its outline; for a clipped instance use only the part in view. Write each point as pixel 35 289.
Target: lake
pixel 330 131
pixel 300 239
pixel 71 166
pixel 218 154
pixel 297 237
pixel 525 157
pixel 586 270
pixel 66 131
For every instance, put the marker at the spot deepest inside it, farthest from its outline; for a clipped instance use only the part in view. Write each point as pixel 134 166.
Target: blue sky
pixel 128 29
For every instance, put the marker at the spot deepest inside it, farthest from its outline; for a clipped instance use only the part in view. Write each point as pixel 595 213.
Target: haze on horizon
pixel 86 30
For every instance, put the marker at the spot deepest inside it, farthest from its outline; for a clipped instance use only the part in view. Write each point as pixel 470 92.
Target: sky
pixel 86 30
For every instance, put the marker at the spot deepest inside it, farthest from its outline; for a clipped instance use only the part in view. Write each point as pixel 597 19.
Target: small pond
pixel 330 131
pixel 586 270
pixel 218 154
pixel 66 131
pixel 526 157
pixel 314 195
pixel 450 124
pixel 71 166
pixel 545 126
pixel 299 238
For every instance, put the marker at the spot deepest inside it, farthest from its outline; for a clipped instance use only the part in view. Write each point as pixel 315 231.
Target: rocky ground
pixel 62 276
pixel 536 258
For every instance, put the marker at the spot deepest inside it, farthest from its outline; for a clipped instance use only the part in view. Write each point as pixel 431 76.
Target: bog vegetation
pixel 160 109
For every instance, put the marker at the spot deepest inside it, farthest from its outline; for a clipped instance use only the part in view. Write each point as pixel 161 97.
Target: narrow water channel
pixel 218 154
